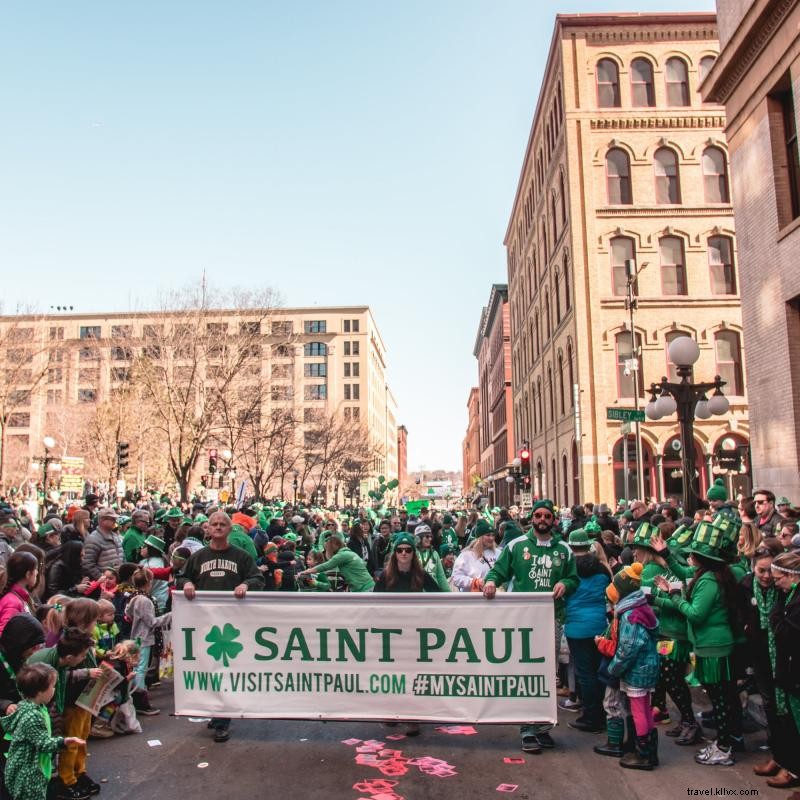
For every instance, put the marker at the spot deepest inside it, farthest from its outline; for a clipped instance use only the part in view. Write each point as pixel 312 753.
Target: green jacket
pixel 240 539
pixel 530 565
pixel 709 625
pixel 671 623
pixel 30 755
pixel 352 567
pixel 432 564
pixel 132 543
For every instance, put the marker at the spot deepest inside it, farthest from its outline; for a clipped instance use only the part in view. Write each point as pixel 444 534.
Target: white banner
pixel 427 657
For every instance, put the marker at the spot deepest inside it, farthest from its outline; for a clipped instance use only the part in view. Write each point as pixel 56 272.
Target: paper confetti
pixel 457 730
pixel 154 742
pixel 507 787
pixel 351 742
pixel 513 760
pixel 202 764
pixel 396 737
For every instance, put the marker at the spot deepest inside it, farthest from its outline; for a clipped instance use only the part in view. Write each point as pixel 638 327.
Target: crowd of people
pixel 648 604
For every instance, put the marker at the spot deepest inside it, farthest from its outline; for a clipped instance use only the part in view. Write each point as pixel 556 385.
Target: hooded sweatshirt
pixel 21 633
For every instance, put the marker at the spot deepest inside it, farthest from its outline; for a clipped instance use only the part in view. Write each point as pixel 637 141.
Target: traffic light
pixel 122 455
pixel 212 461
pixel 525 462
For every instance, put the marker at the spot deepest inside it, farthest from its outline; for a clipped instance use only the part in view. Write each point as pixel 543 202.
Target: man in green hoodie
pixel 133 540
pixel 535 562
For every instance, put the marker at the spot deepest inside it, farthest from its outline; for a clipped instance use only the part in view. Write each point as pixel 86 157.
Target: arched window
pixel 539 488
pixel 557 299
pixel 567 298
pixel 720 263
pixel 715 176
pixel 551 393
pixel 623 249
pixel 706 62
pixel 672 370
pixel 537 341
pixel 565 480
pixel 553 478
pixel 677 79
pixel 642 92
pixel 607 84
pixel 548 317
pixel 539 403
pixel 543 232
pixel 618 178
pixel 571 373
pixel 673 267
pixel 729 361
pixel 315 349
pixel 629 365
pixel 668 189
pixel 563 199
pixel 562 401
pixel 553 216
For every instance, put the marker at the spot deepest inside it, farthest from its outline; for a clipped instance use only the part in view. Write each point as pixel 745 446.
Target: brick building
pixel 757 78
pixel 495 419
pixel 471 446
pixel 624 161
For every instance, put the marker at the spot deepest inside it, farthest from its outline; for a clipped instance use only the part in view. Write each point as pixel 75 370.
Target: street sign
pixel 624 415
pixel 625 429
pixel 526 499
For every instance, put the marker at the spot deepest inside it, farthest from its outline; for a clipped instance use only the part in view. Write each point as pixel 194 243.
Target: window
pixel 571 376
pixel 607 84
pixel 315 349
pixel 121 354
pixel 550 392
pixel 557 301
pixel 281 371
pixel 216 329
pixel 152 351
pixel 54 397
pixel 183 374
pixel 55 375
pixel 720 262
pixel 642 91
pixel 563 194
pixel 729 361
pixel 280 392
pixel 87 395
pixel 352 391
pixel 355 326
pixel 786 169
pixel 618 178
pixel 347 348
pixel 706 62
pixel 348 393
pixel 20 335
pixel 56 334
pixel 315 326
pixel 90 332
pixel 622 249
pixel 310 414
pixel 715 176
pixel 281 328
pixel 121 331
pixel 89 375
pixel 668 188
pixel 19 397
pixel 346 326
pixel 354 350
pixel 677 77
pixel 315 370
pixel 88 354
pixel 673 270
pixel 629 365
pixel 562 402
pixel 672 370
pixel 567 299
pixel 121 374
pixel 548 317
pixel 281 351
pixel 315 391
pixel 19 420
pixel 152 331
pixel 347 369
pixel 56 357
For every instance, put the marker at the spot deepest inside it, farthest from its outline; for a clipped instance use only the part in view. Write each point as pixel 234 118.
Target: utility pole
pixel 631 304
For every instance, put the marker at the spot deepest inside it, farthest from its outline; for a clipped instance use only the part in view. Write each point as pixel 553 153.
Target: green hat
pixel 154 541
pixel 783 501
pixel 159 515
pixel 579 538
pixel 729 525
pixel 45 530
pixel 200 519
pixel 446 550
pixel 290 536
pixel 482 528
pixel 403 538
pixel 174 513
pixel 123 519
pixel 718 491
pixel 627 515
pixel 708 542
pixel 187 521
pixel 544 503
pixel 447 519
pixel 643 535
pixel 593 528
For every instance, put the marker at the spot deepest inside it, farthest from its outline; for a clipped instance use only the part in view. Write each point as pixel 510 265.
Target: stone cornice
pixel 669 33
pixel 724 210
pixel 643 123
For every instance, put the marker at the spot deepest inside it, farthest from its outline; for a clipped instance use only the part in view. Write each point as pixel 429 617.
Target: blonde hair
pixel 53 621
pixel 81 612
pixel 752 539
pixel 476 545
pixel 126 649
pixel 104 606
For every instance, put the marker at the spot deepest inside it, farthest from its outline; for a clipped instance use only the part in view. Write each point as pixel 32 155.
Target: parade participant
pixel 172 520
pixel 534 562
pixel 768 519
pixel 429 558
pixel 77 529
pixel 404 571
pixel 380 547
pixel 785 621
pixel 635 661
pixel 22 575
pixel 220 567
pixel 586 619
pixel 48 537
pixel 152 556
pixel 475 560
pixel 314 582
pixel 449 535
pixel 711 613
pixel 359 541
pixel 65 571
pixel 103 547
pixel 133 540
pixel 351 566
pixel 30 755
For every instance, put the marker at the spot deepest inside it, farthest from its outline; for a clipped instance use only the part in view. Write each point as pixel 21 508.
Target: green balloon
pixel 381 479
pixel 393 484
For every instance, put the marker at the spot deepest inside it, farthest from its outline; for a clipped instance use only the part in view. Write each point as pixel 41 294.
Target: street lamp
pixel 690 400
pixel 47 462
pixel 294 487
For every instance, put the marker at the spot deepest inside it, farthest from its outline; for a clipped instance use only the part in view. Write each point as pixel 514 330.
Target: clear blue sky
pixel 342 152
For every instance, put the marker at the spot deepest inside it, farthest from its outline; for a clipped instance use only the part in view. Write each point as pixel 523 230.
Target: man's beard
pixel 543 527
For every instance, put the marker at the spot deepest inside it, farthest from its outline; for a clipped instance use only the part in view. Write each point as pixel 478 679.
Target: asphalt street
pixel 308 760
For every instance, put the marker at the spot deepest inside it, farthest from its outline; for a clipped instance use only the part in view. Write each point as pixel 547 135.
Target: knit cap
pixel 626 581
pixel 403 538
pixel 718 491
pixel 579 538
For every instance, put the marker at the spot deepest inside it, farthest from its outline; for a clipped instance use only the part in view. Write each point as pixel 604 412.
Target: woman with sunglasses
pixel 429 558
pixel 404 572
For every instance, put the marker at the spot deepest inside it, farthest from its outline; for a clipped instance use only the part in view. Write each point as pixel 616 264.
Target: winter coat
pixel 708 622
pixel 141 610
pixel 20 634
pixel 770 525
pixel 238 538
pixel 671 623
pixel 132 543
pixel 469 567
pixel 101 551
pixel 586 606
pixel 432 564
pixel 13 602
pixel 353 569
pixel 785 619
pixel 636 660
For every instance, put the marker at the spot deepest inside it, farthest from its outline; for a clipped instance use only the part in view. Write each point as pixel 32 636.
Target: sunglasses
pixel 403 550
pixel 543 515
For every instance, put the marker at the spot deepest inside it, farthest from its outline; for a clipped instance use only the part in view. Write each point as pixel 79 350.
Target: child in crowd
pixel 106 630
pixel 67 658
pixel 30 756
pixel 314 582
pixel 635 661
pixel 141 610
pixel 268 565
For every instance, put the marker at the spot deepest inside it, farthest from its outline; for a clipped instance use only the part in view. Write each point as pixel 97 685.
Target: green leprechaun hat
pixel 729 525
pixel 708 542
pixel 643 535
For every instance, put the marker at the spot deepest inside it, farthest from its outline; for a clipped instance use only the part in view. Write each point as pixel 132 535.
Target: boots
pixel 615 731
pixel 630 742
pixel 654 747
pixel 141 702
pixel 642 758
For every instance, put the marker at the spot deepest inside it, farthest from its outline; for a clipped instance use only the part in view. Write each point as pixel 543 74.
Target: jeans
pixel 586 658
pixel 141 669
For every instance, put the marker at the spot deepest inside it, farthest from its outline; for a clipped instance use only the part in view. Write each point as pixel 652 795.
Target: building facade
pixel 624 161
pixel 757 78
pixel 318 363
pixel 471 446
pixel 495 419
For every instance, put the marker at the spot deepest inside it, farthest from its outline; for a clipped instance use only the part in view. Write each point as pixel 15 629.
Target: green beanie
pixel 403 538
pixel 548 504
pixel 718 491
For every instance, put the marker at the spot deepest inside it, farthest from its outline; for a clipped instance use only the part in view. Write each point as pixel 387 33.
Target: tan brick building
pixel 471 446
pixel 320 360
pixel 757 77
pixel 624 161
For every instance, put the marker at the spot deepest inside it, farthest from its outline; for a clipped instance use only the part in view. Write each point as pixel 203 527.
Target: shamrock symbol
pixel 223 643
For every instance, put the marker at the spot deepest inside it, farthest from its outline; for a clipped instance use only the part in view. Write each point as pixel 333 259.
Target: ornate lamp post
pixel 691 401
pixel 294 487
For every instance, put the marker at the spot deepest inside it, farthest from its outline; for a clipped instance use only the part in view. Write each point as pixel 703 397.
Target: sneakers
pixel 86 784
pixel 147 711
pixel 545 740
pixel 715 756
pixel 570 705
pixel 691 733
pixel 676 731
pixel 71 793
pixel 530 744
pixel 100 730
pixel 222 734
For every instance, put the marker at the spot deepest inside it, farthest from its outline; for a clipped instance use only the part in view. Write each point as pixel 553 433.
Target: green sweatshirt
pixel 432 564
pixel 532 565
pixel 671 623
pixel 132 543
pixel 352 567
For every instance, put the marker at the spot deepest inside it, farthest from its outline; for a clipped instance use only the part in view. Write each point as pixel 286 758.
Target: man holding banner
pixel 534 562
pixel 220 567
